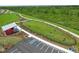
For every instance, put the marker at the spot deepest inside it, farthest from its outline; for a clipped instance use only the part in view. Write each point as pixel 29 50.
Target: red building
pixel 10 29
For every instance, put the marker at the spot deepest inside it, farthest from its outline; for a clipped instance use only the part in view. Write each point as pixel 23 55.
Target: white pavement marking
pixel 65 30
pixel 46 49
pixel 38 44
pixel 31 35
pixel 42 46
pixel 14 50
pixel 58 51
pixel 52 50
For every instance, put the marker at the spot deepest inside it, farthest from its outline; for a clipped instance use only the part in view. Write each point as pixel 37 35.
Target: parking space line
pixel 14 50
pixel 42 46
pixel 31 42
pixel 38 44
pixel 46 49
pixel 52 50
pixel 35 43
pixel 27 41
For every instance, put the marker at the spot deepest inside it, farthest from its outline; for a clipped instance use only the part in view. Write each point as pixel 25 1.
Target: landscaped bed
pixel 50 32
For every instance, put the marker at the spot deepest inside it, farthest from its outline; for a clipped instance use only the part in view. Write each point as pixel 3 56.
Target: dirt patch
pixel 20 35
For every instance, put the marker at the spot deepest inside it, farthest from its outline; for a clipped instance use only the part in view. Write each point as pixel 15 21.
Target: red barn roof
pixel 9 31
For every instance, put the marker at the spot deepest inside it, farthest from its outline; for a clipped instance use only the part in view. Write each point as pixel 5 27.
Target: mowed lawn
pixel 50 32
pixel 8 18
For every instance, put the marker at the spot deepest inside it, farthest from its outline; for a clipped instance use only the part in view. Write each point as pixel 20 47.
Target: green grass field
pixel 66 16
pixel 50 32
pixel 8 18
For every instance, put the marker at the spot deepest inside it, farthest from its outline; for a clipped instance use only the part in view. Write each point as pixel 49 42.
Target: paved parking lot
pixel 32 45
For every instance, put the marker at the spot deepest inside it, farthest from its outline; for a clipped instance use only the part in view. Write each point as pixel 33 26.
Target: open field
pixel 8 18
pixel 66 16
pixel 50 32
